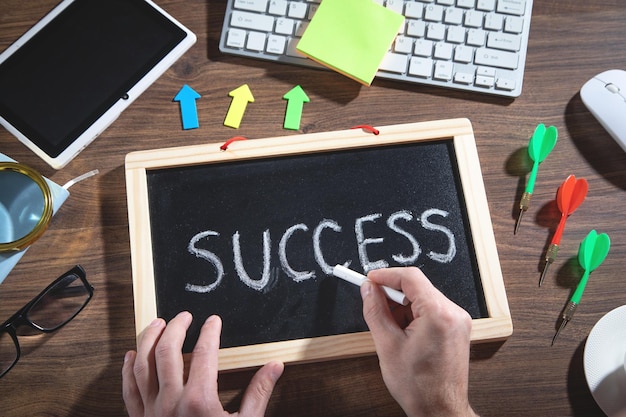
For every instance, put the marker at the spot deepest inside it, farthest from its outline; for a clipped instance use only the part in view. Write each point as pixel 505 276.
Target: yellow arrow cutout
pixel 241 97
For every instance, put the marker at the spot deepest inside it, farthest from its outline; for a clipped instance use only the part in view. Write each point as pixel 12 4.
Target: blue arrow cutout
pixel 187 97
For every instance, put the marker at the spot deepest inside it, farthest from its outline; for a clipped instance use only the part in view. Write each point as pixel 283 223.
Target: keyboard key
pixel 252 21
pixel 416 28
pixel 495 58
pixel 395 5
pixel 456 34
pixel 278 7
pixel 486 5
pixel 473 19
pixel 476 37
pixel 284 26
pixel 423 48
pixel 443 70
pixel 463 54
pixel 466 4
pixel 505 84
pixel 276 44
pixel 252 5
pixel 515 7
pixel 494 21
pixel 291 48
pixel 435 31
pixel 433 13
pixel 297 10
pixel 421 67
pixel 463 78
pixel 443 51
pixel 256 41
pixel 453 16
pixel 486 72
pixel 300 28
pixel 413 10
pixel 394 63
pixel 236 38
pixel 504 41
pixel 312 10
pixel 483 81
pixel 403 44
pixel 513 24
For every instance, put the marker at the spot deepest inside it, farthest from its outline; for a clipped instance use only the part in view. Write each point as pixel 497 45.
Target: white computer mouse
pixel 605 97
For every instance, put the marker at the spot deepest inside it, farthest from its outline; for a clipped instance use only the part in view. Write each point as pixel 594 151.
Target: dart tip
pixel 554 338
pixel 553 250
pixel 563 324
pixel 543 274
pixel 545 271
pixel 524 203
pixel 519 221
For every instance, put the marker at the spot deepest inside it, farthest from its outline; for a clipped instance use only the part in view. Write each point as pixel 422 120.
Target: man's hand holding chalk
pixel 355 278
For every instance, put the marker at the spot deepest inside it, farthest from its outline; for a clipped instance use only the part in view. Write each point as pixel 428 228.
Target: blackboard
pixel 251 233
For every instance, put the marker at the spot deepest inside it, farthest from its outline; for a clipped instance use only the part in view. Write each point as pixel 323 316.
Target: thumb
pixel 258 393
pixel 377 314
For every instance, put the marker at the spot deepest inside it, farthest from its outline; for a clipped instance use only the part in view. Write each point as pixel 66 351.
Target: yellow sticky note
pixel 351 36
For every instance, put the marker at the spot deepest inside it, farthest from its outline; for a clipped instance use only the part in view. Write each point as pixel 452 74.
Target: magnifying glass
pixel 25 206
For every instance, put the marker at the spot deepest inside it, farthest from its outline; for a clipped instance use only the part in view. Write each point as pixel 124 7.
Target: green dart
pixel 591 253
pixel 541 144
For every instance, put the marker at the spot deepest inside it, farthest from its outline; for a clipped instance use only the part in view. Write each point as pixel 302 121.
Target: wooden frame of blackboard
pixel 498 324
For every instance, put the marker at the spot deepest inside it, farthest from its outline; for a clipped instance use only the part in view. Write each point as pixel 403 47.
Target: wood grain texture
pixel 76 371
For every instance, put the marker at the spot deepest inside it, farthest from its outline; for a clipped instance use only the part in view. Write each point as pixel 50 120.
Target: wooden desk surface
pixel 76 371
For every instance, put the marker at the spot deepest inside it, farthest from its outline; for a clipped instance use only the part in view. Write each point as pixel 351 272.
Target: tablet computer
pixel 72 74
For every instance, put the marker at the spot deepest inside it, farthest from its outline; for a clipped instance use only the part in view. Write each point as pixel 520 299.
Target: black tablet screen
pixel 73 70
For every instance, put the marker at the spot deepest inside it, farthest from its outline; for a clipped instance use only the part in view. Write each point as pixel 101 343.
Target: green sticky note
pixel 351 36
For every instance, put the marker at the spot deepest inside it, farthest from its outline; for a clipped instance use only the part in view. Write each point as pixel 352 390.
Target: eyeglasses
pixel 52 309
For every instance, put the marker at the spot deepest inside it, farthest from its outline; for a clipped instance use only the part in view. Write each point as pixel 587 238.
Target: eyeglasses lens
pixel 59 304
pixel 8 352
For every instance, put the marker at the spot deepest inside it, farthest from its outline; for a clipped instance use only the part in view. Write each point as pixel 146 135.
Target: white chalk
pixel 355 278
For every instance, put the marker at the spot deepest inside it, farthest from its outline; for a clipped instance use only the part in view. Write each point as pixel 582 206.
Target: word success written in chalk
pixel 394 223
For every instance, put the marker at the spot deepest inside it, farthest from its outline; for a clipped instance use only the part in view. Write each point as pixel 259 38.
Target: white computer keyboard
pixel 473 45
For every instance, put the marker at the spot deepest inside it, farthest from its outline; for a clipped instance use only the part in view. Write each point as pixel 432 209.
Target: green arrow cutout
pixel 296 97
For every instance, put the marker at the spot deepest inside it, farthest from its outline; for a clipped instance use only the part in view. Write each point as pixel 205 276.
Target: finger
pixel 257 395
pixel 169 356
pixel 446 317
pixel 144 367
pixel 378 316
pixel 414 284
pixel 204 359
pixel 130 391
pixel 399 278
